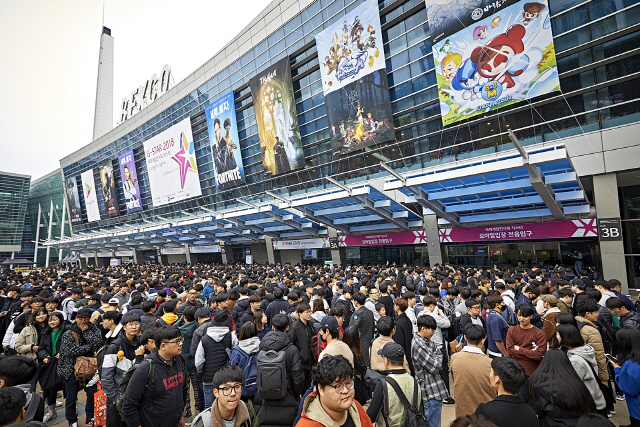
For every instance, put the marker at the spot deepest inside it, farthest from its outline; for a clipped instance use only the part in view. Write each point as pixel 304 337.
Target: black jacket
pixel 170 392
pixel 301 335
pixel 240 307
pixel 276 413
pixel 504 409
pixel 276 307
pixel 146 318
pixel 45 347
pixel 631 319
pixel 549 410
pixel 137 309
pixel 268 299
pixel 247 316
pixel 465 320
pixel 348 305
pixel 186 304
pixel 404 336
pixel 363 319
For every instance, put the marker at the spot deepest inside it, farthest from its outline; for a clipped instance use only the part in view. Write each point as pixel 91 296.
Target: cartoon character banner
pixel 108 190
pixel 351 47
pixel 171 165
pixel 223 133
pixel 360 113
pixel 89 193
pixel 275 109
pixel 130 186
pixel 73 200
pixel 490 54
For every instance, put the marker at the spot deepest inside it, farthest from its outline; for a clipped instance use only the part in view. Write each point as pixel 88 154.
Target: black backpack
pixel 415 413
pixel 272 374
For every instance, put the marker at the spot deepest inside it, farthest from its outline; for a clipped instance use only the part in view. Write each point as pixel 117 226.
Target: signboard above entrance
pixel 403 238
pixel 536 230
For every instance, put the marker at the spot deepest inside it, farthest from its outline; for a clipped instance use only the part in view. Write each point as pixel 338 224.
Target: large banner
pixel 225 146
pixel 108 190
pixel 73 200
pixel 90 198
pixel 171 165
pixel 320 243
pixel 354 80
pixel 490 54
pixel 275 109
pixel 130 186
pixel 376 239
pixel 527 231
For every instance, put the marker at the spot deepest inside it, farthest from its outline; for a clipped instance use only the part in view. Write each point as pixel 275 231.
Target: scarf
pixel 169 318
pixel 55 335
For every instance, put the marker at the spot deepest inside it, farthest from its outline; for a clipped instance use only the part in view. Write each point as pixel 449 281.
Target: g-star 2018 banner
pixel 275 109
pixel 225 146
pixel 130 186
pixel 354 80
pixel 89 194
pixel 171 165
pixel 73 200
pixel 109 194
pixel 351 47
pixel 490 53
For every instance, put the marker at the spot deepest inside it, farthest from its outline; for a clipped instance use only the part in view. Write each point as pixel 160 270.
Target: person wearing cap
pixel 393 358
pixel 550 304
pixel 330 333
pixel 81 339
pixel 470 369
pixel 211 354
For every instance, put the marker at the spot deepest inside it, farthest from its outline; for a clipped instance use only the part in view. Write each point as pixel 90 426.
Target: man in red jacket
pixel 332 404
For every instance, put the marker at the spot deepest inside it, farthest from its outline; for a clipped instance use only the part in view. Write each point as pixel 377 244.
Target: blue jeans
pixel 432 412
pixel 207 390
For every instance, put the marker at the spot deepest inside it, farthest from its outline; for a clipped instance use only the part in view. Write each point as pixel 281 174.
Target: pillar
pixel 187 253
pixel 435 249
pixel 13 254
pixel 35 252
pixel 46 263
pixel 227 252
pixel 138 258
pixel 605 193
pixel 63 220
pixel 335 252
pixel 270 256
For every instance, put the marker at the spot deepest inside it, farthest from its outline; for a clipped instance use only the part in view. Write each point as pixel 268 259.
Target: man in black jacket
pixel 192 301
pixel 507 376
pixel 345 300
pixel 301 333
pixel 473 315
pixel 404 329
pixel 363 319
pixel 279 305
pixel 241 305
pixel 281 412
pixel 162 400
pixel 619 309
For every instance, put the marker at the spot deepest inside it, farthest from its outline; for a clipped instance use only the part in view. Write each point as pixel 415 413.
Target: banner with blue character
pixel 490 54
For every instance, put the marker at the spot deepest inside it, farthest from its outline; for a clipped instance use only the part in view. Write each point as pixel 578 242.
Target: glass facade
pixel 598 61
pixel 46 198
pixel 13 206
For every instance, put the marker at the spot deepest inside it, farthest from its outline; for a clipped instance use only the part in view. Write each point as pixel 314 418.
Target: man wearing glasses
pixel 161 401
pixel 332 404
pixel 228 409
pixel 192 301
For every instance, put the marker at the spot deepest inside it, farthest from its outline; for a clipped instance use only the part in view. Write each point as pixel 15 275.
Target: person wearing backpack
pixel 211 354
pixel 118 358
pixel 388 407
pixel 160 401
pixel 245 356
pixel 187 329
pixel 281 376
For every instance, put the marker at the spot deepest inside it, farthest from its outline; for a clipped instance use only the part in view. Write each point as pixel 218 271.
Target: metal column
pixel 35 252
pixel 46 263
pixel 64 213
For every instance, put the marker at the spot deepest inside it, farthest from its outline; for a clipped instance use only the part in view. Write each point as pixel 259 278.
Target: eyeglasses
pixel 226 391
pixel 193 293
pixel 342 388
pixel 178 341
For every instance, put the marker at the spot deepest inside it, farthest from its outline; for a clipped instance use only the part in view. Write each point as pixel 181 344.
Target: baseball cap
pixel 392 351
pixel 84 312
pixel 114 301
pixel 549 298
pixel 329 322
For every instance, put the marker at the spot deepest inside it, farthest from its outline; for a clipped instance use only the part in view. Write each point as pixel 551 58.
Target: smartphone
pixel 611 358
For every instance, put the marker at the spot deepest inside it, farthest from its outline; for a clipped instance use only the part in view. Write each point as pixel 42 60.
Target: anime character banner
pixel 360 113
pixel 108 190
pixel 351 47
pixel 275 109
pixel 491 54
pixel 130 185
pixel 223 133
pixel 73 200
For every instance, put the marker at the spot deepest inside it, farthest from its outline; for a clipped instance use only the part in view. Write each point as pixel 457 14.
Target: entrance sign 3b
pixel 543 230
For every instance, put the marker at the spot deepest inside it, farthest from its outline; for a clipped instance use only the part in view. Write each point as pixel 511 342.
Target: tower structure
pixel 103 116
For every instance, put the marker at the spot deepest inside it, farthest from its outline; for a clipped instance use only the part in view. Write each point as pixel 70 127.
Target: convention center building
pixel 393 131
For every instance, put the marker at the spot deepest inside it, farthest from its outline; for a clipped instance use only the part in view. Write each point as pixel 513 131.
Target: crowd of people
pixel 235 345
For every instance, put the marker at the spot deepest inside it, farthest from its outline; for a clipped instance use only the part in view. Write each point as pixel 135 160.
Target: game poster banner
pixel 275 109
pixel 360 114
pixel 89 194
pixel 130 186
pixel 108 190
pixel 225 146
pixel 171 165
pixel 351 47
pixel 490 54
pixel 73 200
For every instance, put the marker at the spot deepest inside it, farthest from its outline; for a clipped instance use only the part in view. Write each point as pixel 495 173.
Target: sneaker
pixel 449 401
pixel 88 422
pixel 609 415
pixel 59 404
pixel 612 412
pixel 620 396
pixel 73 424
pixel 49 416
pixel 59 395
